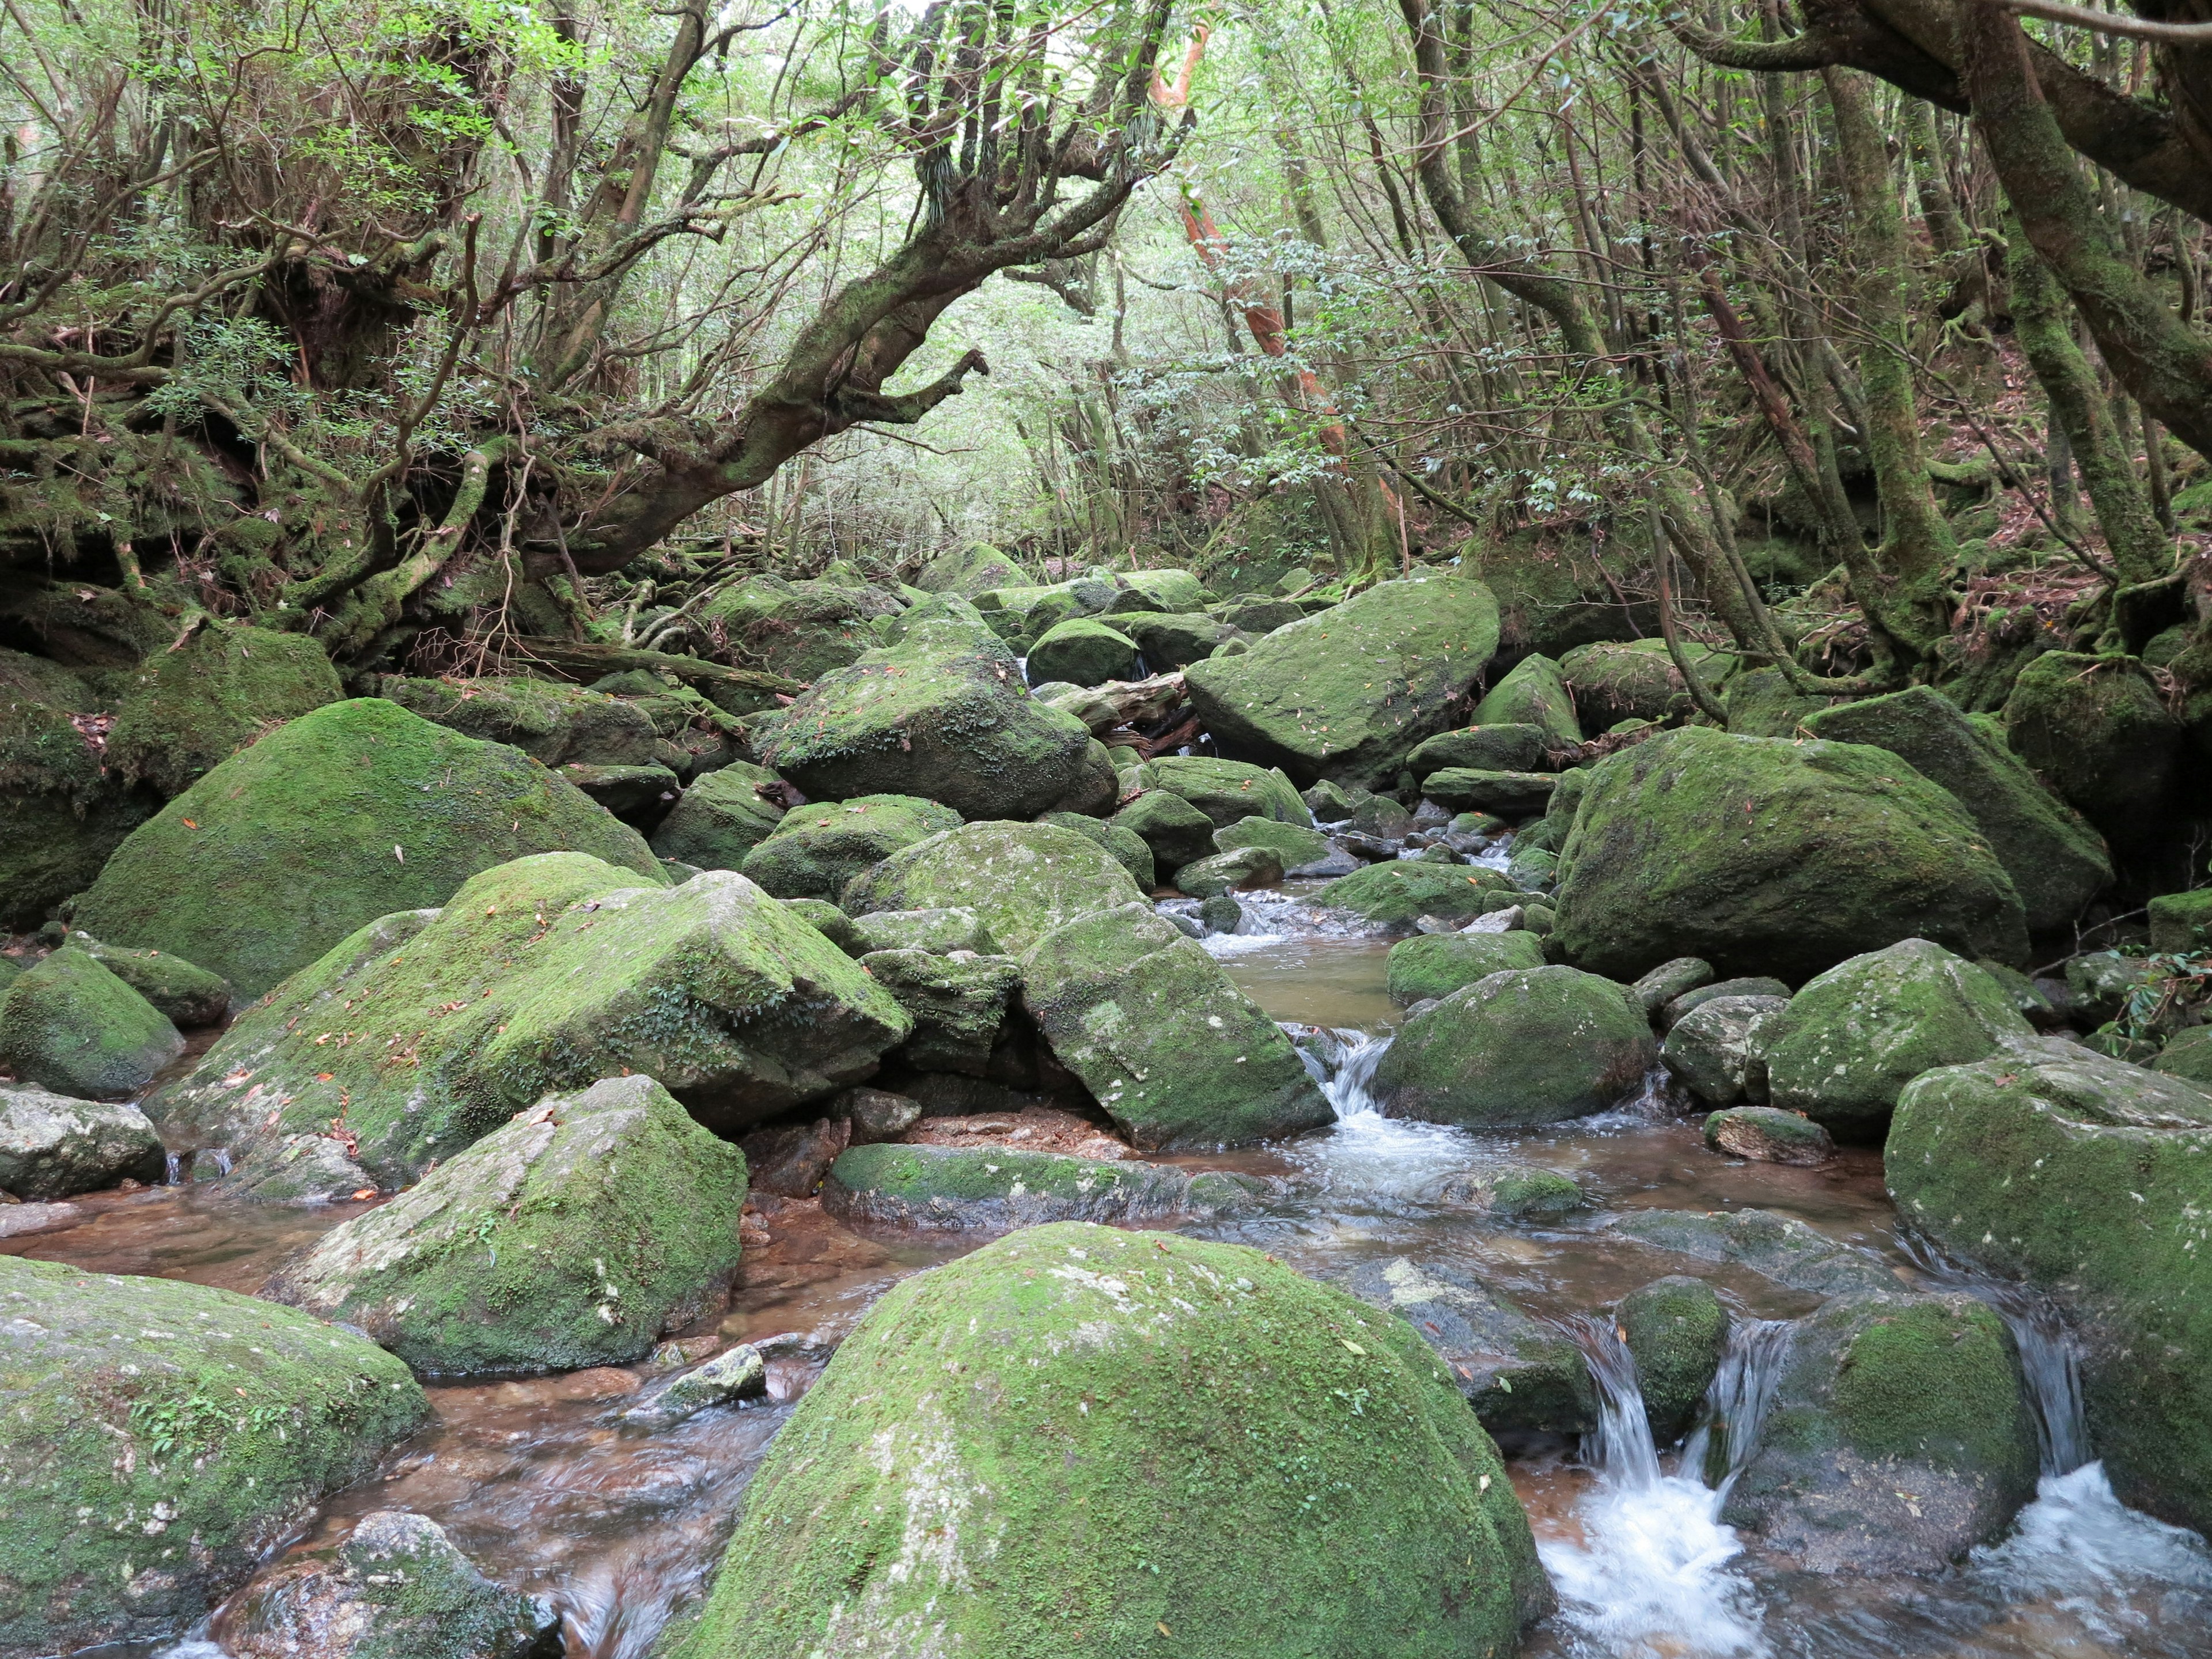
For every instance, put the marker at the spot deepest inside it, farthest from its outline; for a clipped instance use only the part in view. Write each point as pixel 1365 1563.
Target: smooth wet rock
pixel 1022 879
pixel 1223 872
pixel 355 811
pixel 1778 1246
pixel 957 1003
pixel 1678 1330
pixel 574 1236
pixel 1177 832
pixel 1516 1372
pixel 1851 1039
pixel 722 817
pixel 2090 1179
pixel 219 689
pixel 1226 791
pixel 953 1408
pixel 1534 693
pixel 946 928
pixel 1508 918
pixel 791 1160
pixel 160 1439
pixel 52 1146
pixel 740 1374
pixel 1671 979
pixel 549 722
pixel 1671 1012
pixel 1511 795
pixel 426 1030
pixel 396 1586
pixel 1001 1187
pixel 184 994
pixel 1716 1050
pixel 816 849
pixel 1899 1438
pixel 1828 850
pixel 1766 1134
pixel 1523 1046
pixel 1436 964
pixel 876 1114
pixel 1399 892
pixel 1084 651
pixel 73 1026
pixel 1520 1191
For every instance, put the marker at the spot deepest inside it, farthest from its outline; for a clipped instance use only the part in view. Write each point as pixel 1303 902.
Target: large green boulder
pixel 1167 590
pixel 1348 693
pixel 1083 651
pixel 802 630
pixel 1177 832
pixel 815 849
pixel 54 1146
pixel 1534 693
pixel 722 817
pixel 1178 1057
pixel 553 723
pixel 2090 1179
pixel 1524 1046
pixel 1400 892
pixel 1510 795
pixel 351 812
pixel 1678 1330
pixel 1900 1437
pixel 1131 850
pixel 2098 730
pixel 1002 1187
pixel 967 571
pixel 575 1234
pixel 62 812
pixel 1174 642
pixel 1023 880
pixel 425 1030
pixel 1716 1049
pixel 1079 1440
pixel 1764 856
pixel 74 1027
pixel 186 994
pixel 160 1439
pixel 1849 1042
pixel 1226 790
pixel 943 715
pixel 1507 748
pixel 197 704
pixel 1430 965
pixel 1293 844
pixel 1612 681
pixel 2057 862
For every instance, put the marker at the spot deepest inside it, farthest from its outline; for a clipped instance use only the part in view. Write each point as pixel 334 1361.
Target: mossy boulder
pixel 2188 1056
pixel 1002 1187
pixel 2181 923
pixel 1765 1134
pixel 185 994
pixel 949 1419
pixel 721 818
pixel 1716 1050
pixel 160 1439
pixel 1671 1012
pixel 73 1026
pixel 1434 965
pixel 1518 1373
pixel 1130 849
pixel 1612 681
pixel 1293 844
pixel 61 814
pixel 575 1234
pixel 426 1030
pixel 1503 748
pixel 2057 862
pixel 1900 1437
pixel 549 722
pixel 942 715
pixel 801 630
pixel 1173 641
pixel 1223 872
pixel 1510 795
pixel 1226 791
pixel 947 928
pixel 1022 879
pixel 352 812
pixel 1178 1057
pixel 1533 694
pixel 197 704
pixel 54 1146
pixel 1525 1046
pixel 967 571
pixel 1167 589
pixel 814 850
pixel 1850 1040
pixel 1398 892
pixel 1177 832
pixel 1762 704
pixel 2090 1179
pixel 1678 1330
pixel 1348 693
pixel 1083 651
pixel 2098 731
pixel 957 1003
pixel 1764 856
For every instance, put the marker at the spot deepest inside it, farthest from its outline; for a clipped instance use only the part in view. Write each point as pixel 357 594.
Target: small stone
pixel 1508 920
pixel 876 1114
pixel 1220 914
pixel 1767 1134
pixel 1670 980
pixel 740 1374
pixel 791 1161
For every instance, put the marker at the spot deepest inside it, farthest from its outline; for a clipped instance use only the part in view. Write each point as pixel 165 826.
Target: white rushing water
pixel 1367 1154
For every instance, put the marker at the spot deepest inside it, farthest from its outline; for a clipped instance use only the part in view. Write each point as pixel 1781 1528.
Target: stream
pixel 541 1482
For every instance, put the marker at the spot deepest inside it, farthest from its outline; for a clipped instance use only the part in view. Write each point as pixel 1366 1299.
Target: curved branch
pixel 2106 22
pixel 1815 49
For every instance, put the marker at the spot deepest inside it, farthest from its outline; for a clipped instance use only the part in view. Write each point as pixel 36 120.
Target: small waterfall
pixel 2052 1360
pixel 1620 1449
pixel 1347 1085
pixel 1742 1392
pixel 174 1174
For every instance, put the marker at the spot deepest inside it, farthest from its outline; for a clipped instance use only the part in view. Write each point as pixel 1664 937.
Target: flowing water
pixel 543 1482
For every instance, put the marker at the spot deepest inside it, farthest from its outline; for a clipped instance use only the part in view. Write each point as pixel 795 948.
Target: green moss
pixel 1678 1330
pixel 814 850
pixel 419 1033
pixel 1293 844
pixel 720 818
pixel 1176 831
pixel 61 816
pixel 1175 641
pixel 1226 791
pixel 970 570
pixel 160 1438
pixel 1510 795
pixel 1003 1186
pixel 78 1029
pixel 574 1235
pixel 1082 651
pixel 957 1004
pixel 1131 849
pixel 1635 679
pixel 1223 872
pixel 1169 589
pixel 940 1484
pixel 1023 879
pixel 549 722
pixel 1347 694
pixel 2099 731
pixel 1504 748
pixel 197 704
pixel 802 630
pixel 1532 695
pixel 1402 891
pixel 1436 964
pixel 2181 923
pixel 1769 1136
pixel 351 812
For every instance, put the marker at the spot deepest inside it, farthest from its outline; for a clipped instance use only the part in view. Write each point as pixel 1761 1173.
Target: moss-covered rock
pixel 814 850
pixel 1226 791
pixel 1678 1330
pixel 2057 862
pixel 1899 1438
pixel 1675 1009
pixel 1716 1050
pixel 185 994
pixel 1519 1191
pixel 1001 1187
pixel 352 812
pixel 1223 872
pixel 2098 731
pixel 2181 923
pixel 160 1438
pixel 1517 1372
pixel 957 1004
pixel 1779 1247
pixel 1434 965
pixel 1348 693
pixel 1850 1040
pixel 54 1146
pixel 1533 694
pixel 1083 651
pixel 1523 1046
pixel 1176 641
pixel 2091 1179
pixel 1167 589
pixel 1129 849
pixel 424 1031
pixel 1765 1134
pixel 198 703
pixel 721 818
pixel 802 630
pixel 949 1419
pixel 1503 748
pixel 61 814
pixel 1677 976
pixel 2188 1056
pixel 549 722
pixel 940 931
pixel 967 571
pixel 1510 795
pixel 1764 856
pixel 1176 832
pixel 575 1234
pixel 1613 681
pixel 1399 892
pixel 1761 703
pixel 1293 844
pixel 1023 879
pixel 74 1027
pixel 1161 1036
pixel 942 715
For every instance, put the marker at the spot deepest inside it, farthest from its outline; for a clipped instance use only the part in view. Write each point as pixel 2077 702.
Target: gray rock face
pixel 721 817
pixel 1676 1008
pixel 740 1374
pixel 1669 980
pixel 876 1114
pixel 1714 1052
pixel 948 928
pixel 1516 1372
pixel 52 1146
pixel 1000 1187
pixel 396 1589
pixel 1223 872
